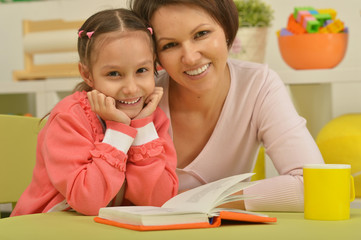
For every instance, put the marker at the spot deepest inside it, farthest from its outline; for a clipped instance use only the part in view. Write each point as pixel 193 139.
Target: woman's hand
pixel 105 107
pixel 151 103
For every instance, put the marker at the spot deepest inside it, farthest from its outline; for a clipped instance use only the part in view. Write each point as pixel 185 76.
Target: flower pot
pixel 250 44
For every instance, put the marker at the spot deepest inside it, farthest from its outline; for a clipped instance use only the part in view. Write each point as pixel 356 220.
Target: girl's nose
pixel 190 54
pixel 130 86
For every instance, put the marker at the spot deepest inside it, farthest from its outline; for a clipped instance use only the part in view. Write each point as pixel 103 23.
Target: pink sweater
pixel 258 110
pixel 79 166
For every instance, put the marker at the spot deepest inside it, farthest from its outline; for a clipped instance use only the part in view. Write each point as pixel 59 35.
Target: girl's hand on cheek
pixel 105 107
pixel 151 103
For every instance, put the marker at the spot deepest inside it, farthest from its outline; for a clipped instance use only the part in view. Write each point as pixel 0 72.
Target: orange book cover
pixel 216 222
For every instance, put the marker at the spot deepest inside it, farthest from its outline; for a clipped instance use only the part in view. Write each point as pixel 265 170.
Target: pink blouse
pixel 257 110
pixel 81 165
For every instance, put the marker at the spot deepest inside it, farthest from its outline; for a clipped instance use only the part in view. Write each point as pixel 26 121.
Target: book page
pixel 203 198
pixel 227 196
pixel 217 211
pixel 150 216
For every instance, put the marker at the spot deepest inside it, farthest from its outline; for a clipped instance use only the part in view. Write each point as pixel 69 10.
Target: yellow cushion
pixel 259 168
pixel 340 142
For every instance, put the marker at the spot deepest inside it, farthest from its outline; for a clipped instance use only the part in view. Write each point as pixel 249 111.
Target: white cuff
pixel 145 134
pixel 119 140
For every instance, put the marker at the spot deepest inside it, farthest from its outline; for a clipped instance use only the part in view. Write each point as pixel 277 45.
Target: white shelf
pixel 61 85
pixel 34 86
pixel 324 76
pixel 21 87
pixel 46 91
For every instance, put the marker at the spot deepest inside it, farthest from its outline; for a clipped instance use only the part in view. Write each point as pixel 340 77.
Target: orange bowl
pixel 313 50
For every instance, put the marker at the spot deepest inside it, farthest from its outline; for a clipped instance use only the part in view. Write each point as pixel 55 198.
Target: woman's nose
pixel 191 54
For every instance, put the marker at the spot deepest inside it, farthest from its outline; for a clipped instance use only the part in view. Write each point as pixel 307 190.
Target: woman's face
pixel 191 46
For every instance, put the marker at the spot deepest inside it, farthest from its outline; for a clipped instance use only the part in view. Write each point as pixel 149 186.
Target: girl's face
pixel 191 46
pixel 123 68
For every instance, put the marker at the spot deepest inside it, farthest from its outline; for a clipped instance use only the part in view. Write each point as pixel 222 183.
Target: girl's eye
pixel 142 70
pixel 201 34
pixel 114 74
pixel 168 45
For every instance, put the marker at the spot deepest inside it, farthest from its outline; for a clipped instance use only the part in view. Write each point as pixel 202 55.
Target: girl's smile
pixel 130 102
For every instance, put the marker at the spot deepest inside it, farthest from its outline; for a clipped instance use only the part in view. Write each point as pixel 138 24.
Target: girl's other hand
pixel 151 103
pixel 105 107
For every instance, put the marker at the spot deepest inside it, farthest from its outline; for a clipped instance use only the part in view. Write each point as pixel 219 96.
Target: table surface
pixel 70 225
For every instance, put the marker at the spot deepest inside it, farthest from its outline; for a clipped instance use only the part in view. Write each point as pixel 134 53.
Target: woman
pixel 222 110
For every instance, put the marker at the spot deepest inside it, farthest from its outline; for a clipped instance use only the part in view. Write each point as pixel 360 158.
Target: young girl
pixel 107 144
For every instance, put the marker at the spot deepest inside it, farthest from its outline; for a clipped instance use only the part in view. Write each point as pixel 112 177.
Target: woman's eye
pixel 142 70
pixel 113 74
pixel 201 34
pixel 168 45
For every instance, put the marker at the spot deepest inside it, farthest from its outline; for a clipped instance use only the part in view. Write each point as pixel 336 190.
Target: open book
pixel 196 208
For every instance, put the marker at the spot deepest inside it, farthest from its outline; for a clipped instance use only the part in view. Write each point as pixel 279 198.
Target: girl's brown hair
pixel 222 11
pixel 106 21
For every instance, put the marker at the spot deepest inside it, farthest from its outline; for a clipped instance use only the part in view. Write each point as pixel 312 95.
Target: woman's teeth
pixel 132 102
pixel 198 71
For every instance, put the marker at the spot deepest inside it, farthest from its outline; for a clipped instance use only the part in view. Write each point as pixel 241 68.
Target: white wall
pixel 343 98
pixel 12 14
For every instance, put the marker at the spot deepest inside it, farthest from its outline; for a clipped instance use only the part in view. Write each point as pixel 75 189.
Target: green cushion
pixel 18 137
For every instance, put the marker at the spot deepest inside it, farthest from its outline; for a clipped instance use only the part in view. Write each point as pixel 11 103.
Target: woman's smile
pixel 198 71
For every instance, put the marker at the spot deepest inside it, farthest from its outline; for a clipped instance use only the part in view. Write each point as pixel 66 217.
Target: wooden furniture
pixel 46 37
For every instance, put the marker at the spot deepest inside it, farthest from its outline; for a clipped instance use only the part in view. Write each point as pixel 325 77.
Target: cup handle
pixel 352 197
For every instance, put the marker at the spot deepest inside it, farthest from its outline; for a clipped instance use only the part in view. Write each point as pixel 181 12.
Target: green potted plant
pixel 254 13
pixel 255 17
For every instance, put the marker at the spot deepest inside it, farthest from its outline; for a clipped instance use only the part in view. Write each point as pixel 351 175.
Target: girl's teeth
pixel 198 71
pixel 125 102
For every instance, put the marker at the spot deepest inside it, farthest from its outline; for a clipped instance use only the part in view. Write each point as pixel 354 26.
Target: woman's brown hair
pixel 222 11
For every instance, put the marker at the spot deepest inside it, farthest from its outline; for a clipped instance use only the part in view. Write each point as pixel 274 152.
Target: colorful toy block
pixel 312 26
pixel 330 11
pixel 278 33
pixel 293 26
pixel 306 17
pixel 336 26
pixel 322 17
pixel 297 9
pixel 285 32
pixel 309 20
pixel 313 12
pixel 323 30
pixel 327 22
pixel 333 27
pixel 302 14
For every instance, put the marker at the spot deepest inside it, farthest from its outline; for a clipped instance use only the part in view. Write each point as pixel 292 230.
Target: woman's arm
pixel 288 143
